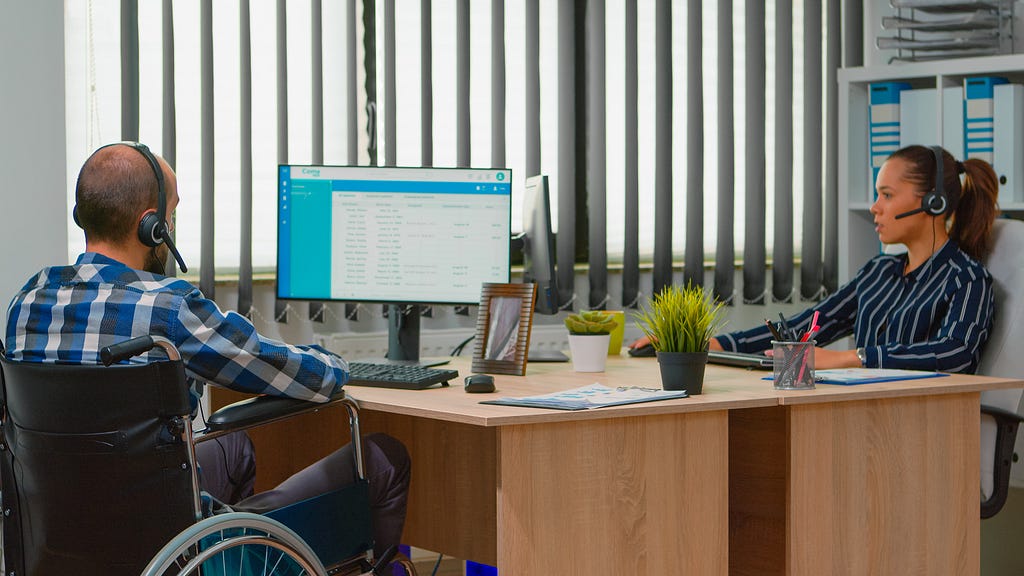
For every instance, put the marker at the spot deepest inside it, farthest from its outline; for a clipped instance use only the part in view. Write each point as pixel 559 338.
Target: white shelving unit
pixel 856 190
pixel 857 239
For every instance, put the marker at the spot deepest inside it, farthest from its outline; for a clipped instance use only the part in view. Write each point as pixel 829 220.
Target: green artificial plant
pixel 681 319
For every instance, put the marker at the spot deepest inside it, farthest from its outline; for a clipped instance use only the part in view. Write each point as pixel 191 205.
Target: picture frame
pixel 503 324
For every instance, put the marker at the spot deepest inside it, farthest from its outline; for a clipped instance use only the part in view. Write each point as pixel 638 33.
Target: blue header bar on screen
pixel 424 187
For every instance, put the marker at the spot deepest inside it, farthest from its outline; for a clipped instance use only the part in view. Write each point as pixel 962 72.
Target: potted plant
pixel 589 335
pixel 680 323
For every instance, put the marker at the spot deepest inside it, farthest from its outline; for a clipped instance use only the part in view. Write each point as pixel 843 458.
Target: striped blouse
pixel 935 318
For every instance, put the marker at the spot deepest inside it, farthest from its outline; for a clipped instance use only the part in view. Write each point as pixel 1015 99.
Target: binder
pixel 1008 153
pixel 884 123
pixel 918 113
pixel 979 116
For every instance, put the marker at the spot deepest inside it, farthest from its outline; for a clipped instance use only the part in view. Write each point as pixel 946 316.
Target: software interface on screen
pixel 415 235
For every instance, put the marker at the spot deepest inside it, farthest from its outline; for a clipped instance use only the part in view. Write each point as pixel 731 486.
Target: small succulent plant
pixel 591 322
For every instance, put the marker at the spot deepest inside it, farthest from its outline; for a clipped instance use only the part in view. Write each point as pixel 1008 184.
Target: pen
pixel 785 327
pixel 774 330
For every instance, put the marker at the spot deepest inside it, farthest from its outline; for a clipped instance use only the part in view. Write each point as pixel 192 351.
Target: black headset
pixel 153 226
pixel 934 203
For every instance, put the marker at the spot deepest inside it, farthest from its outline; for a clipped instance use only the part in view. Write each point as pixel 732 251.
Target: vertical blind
pixel 603 102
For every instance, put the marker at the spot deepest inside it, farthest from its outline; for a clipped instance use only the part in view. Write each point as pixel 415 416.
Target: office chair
pixel 1002 357
pixel 99 477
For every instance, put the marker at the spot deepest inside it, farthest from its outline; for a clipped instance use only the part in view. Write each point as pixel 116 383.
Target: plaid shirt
pixel 66 314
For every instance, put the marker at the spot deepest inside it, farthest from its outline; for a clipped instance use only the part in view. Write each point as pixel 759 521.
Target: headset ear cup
pixel 934 204
pixel 149 230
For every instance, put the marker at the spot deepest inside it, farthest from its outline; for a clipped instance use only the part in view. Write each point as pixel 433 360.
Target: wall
pixel 33 205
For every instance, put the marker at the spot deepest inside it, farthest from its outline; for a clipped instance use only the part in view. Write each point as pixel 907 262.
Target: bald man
pixel 125 199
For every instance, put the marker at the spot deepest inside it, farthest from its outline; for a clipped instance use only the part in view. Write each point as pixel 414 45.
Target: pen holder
pixel 794 365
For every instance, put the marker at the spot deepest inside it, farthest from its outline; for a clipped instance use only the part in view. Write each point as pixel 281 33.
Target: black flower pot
pixel 683 371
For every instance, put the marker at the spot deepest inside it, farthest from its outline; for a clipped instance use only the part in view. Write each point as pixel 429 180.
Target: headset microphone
pixel 174 250
pixel 911 213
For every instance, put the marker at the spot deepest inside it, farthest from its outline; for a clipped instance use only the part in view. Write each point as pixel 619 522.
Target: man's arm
pixel 226 349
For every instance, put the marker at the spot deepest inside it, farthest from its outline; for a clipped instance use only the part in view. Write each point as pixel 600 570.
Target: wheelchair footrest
pixel 336 525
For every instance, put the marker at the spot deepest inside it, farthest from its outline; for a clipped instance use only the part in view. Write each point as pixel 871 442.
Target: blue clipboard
pixel 854 376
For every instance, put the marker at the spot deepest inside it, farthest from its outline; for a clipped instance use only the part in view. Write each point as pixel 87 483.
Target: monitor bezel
pixel 422 302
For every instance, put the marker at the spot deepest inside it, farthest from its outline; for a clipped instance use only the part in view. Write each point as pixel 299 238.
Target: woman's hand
pixel 640 342
pixel 825 359
pixel 644 341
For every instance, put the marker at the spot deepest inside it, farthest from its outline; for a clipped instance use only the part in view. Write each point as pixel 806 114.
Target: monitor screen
pixel 393 235
pixel 539 244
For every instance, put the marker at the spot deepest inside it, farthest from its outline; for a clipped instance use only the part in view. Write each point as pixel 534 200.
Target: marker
pixel 813 329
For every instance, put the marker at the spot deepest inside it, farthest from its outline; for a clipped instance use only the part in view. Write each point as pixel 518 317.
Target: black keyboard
pixel 408 377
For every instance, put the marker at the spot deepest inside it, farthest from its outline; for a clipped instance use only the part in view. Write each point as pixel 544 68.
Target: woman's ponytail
pixel 976 209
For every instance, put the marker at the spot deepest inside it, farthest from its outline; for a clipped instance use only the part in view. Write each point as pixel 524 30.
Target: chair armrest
pixel 1006 436
pixel 1001 415
pixel 263 410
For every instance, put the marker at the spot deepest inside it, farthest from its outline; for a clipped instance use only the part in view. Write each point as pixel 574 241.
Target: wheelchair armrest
pixel 262 410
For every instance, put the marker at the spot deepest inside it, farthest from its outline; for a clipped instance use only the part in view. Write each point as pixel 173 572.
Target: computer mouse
pixel 479 383
pixel 645 351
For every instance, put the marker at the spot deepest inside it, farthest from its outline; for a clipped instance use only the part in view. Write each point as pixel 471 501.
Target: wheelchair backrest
pixel 96 475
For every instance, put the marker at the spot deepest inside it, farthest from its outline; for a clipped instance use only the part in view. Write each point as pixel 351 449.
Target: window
pixel 93 97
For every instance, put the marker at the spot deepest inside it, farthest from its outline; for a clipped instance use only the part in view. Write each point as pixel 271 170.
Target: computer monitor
pixel 539 244
pixel 402 236
pixel 539 258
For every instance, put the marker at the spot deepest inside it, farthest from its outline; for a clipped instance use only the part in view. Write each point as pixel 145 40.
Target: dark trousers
pixel 228 473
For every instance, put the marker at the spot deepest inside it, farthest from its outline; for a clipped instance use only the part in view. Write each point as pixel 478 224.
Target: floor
pixel 1001 538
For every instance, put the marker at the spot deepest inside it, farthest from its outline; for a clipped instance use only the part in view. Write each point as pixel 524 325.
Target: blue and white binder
pixel 979 116
pixel 884 124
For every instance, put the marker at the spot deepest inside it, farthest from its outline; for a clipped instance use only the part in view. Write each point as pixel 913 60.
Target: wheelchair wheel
pixel 238 543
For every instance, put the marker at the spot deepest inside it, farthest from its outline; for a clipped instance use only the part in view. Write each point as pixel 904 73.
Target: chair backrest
pixel 1002 355
pixel 96 477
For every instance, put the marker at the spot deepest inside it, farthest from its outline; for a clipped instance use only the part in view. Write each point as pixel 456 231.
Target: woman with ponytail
pixel 928 309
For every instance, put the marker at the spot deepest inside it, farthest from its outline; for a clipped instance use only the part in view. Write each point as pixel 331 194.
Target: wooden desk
pixel 550 492
pixel 870 479
pixel 743 479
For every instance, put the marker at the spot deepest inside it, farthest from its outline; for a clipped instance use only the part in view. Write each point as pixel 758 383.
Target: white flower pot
pixel 589 352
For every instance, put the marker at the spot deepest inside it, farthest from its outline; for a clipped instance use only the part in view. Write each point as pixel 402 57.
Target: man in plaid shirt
pixel 116 291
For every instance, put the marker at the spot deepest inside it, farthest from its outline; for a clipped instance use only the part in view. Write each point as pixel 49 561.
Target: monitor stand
pixel 404 338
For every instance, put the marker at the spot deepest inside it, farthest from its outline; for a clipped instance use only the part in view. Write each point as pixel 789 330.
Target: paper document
pixel 592 396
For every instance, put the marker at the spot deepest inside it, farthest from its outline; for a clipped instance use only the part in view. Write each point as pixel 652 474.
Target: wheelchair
pixel 99 476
